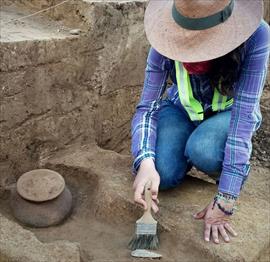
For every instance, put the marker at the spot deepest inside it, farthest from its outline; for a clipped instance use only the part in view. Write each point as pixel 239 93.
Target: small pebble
pixel 145 253
pixel 75 31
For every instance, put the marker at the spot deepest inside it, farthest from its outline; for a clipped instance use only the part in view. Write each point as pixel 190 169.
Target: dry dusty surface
pixel 103 216
pixel 66 104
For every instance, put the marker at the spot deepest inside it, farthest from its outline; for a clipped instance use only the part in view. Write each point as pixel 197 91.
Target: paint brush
pixel 146 227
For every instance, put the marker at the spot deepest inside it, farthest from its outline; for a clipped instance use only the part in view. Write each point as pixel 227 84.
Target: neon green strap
pixel 192 106
pixel 219 101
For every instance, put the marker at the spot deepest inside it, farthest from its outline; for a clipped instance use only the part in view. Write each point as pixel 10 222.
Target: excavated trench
pixel 62 92
pixel 102 234
pixel 100 240
pixel 66 104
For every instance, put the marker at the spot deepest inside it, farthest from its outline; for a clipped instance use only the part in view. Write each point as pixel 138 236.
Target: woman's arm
pixel 245 117
pixel 144 127
pixel 144 122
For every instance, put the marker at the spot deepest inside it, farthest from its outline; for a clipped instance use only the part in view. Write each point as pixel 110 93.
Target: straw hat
pixel 200 30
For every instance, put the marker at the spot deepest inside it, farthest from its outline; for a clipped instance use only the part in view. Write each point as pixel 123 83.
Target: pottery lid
pixel 40 185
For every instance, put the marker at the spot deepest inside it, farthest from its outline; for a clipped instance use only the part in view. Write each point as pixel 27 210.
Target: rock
pixel 145 253
pixel 20 245
pixel 75 31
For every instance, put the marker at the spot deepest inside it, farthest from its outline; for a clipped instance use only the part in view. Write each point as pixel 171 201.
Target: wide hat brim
pixel 177 43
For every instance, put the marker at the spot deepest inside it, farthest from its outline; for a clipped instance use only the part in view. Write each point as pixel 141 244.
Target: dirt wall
pixel 75 90
pixel 267 10
pixel 78 90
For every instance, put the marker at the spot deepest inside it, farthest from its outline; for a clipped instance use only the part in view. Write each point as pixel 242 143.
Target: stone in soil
pixel 20 245
pixel 115 196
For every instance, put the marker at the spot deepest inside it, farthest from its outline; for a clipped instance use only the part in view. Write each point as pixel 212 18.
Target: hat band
pixel 204 22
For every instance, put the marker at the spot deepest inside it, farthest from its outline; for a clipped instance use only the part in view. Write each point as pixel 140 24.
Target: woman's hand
pixel 146 172
pixel 215 223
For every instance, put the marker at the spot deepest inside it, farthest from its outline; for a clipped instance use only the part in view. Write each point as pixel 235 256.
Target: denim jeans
pixel 182 144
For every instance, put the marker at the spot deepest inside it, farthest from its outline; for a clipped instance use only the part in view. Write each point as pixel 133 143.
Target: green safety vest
pixel 191 105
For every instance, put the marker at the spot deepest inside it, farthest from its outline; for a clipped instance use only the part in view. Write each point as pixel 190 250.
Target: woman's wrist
pixel 226 203
pixel 147 163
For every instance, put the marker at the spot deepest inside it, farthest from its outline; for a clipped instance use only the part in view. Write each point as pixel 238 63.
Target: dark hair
pixel 226 69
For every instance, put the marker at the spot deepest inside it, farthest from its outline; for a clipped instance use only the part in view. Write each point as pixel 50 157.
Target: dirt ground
pixel 66 104
pixel 261 140
pixel 101 240
pixel 103 217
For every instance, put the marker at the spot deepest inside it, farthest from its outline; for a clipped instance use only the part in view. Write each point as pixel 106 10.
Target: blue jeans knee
pixel 206 145
pixel 171 175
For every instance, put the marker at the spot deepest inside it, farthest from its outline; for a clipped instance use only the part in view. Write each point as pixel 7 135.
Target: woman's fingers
pixel 230 229
pixel 138 196
pixel 156 200
pixel 223 233
pixel 215 223
pixel 214 230
pixel 155 207
pixel 200 214
pixel 215 234
pixel 154 187
pixel 207 231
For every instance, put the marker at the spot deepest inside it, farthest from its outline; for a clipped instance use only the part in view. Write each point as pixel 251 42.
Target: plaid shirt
pixel 245 112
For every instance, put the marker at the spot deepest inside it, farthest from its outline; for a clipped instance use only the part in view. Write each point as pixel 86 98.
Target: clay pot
pixel 40 199
pixel 40 185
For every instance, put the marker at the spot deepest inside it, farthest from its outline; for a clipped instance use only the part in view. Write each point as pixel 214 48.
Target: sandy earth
pixel 100 239
pixel 103 216
pixel 61 92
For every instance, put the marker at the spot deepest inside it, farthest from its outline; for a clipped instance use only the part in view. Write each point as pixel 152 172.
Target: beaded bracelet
pixel 226 199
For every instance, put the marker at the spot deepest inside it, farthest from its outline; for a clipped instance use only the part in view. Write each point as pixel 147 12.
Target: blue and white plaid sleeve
pixel 246 116
pixel 144 122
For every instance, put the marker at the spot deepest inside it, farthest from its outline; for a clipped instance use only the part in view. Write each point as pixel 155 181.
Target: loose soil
pixel 85 100
pixel 100 239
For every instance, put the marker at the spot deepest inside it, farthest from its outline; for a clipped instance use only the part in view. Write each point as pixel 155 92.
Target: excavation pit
pixel 67 102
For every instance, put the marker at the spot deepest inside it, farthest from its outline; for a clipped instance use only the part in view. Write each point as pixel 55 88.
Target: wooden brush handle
pixel 147 216
pixel 148 196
